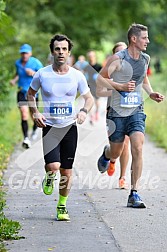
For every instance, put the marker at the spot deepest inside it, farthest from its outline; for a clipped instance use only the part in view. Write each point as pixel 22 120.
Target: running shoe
pixel 48 183
pixel 135 201
pixel 111 169
pixel 62 213
pixel 103 163
pixel 122 183
pixel 26 143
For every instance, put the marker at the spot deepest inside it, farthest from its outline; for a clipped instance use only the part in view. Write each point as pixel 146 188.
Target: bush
pixel 4 91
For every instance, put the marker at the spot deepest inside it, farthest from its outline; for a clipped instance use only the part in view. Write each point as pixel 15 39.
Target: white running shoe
pixel 26 143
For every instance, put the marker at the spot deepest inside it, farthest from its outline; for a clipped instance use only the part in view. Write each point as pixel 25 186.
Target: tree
pixel 87 23
pixel 6 32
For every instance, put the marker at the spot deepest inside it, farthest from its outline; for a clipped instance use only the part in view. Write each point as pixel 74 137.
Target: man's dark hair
pixel 60 37
pixel 135 30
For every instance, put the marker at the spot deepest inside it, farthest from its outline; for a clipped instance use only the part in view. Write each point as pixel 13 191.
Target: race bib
pixel 60 110
pixel 130 99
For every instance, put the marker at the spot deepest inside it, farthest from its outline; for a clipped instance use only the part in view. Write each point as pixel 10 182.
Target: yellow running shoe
pixel 62 213
pixel 48 183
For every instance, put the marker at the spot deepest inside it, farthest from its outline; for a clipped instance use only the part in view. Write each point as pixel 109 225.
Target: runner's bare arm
pixel 14 80
pixel 89 101
pixel 147 86
pixel 102 91
pixel 104 79
pixel 88 104
pixel 153 95
pixel 37 116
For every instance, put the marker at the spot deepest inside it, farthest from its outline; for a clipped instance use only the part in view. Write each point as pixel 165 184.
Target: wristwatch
pixel 84 110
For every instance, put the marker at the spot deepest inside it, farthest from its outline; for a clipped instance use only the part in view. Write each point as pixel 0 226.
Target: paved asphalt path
pixel 100 220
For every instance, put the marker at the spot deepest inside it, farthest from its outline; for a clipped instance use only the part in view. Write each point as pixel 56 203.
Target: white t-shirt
pixel 59 93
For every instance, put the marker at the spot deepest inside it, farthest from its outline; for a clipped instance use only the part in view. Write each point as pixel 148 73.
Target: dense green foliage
pixel 6 31
pixel 86 22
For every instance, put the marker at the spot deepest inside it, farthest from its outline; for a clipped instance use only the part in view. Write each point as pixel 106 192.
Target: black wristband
pixel 84 110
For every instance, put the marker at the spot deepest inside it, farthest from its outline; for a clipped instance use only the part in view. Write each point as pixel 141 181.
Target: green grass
pixel 10 134
pixel 157 113
pixel 9 229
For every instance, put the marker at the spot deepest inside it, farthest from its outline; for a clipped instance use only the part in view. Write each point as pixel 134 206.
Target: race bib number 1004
pixel 60 110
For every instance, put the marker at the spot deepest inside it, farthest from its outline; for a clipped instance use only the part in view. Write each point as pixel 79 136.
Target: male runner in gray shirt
pixel 126 74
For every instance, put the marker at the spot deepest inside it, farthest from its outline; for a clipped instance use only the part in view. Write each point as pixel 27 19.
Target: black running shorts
pixel 22 99
pixel 59 145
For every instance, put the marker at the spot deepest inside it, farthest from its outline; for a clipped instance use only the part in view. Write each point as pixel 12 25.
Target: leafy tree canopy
pixel 87 23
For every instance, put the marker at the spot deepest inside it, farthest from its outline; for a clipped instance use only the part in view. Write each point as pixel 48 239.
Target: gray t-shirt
pixel 59 93
pixel 123 104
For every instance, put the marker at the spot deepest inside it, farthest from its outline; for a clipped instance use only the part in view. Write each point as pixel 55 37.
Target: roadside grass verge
pixel 157 113
pixel 9 229
pixel 10 134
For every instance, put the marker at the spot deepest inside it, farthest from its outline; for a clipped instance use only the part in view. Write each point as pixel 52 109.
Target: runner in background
pixel 91 72
pixel 26 67
pixel 124 157
pixel 81 63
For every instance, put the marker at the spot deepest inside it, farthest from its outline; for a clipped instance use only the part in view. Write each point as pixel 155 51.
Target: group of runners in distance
pixel 121 79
